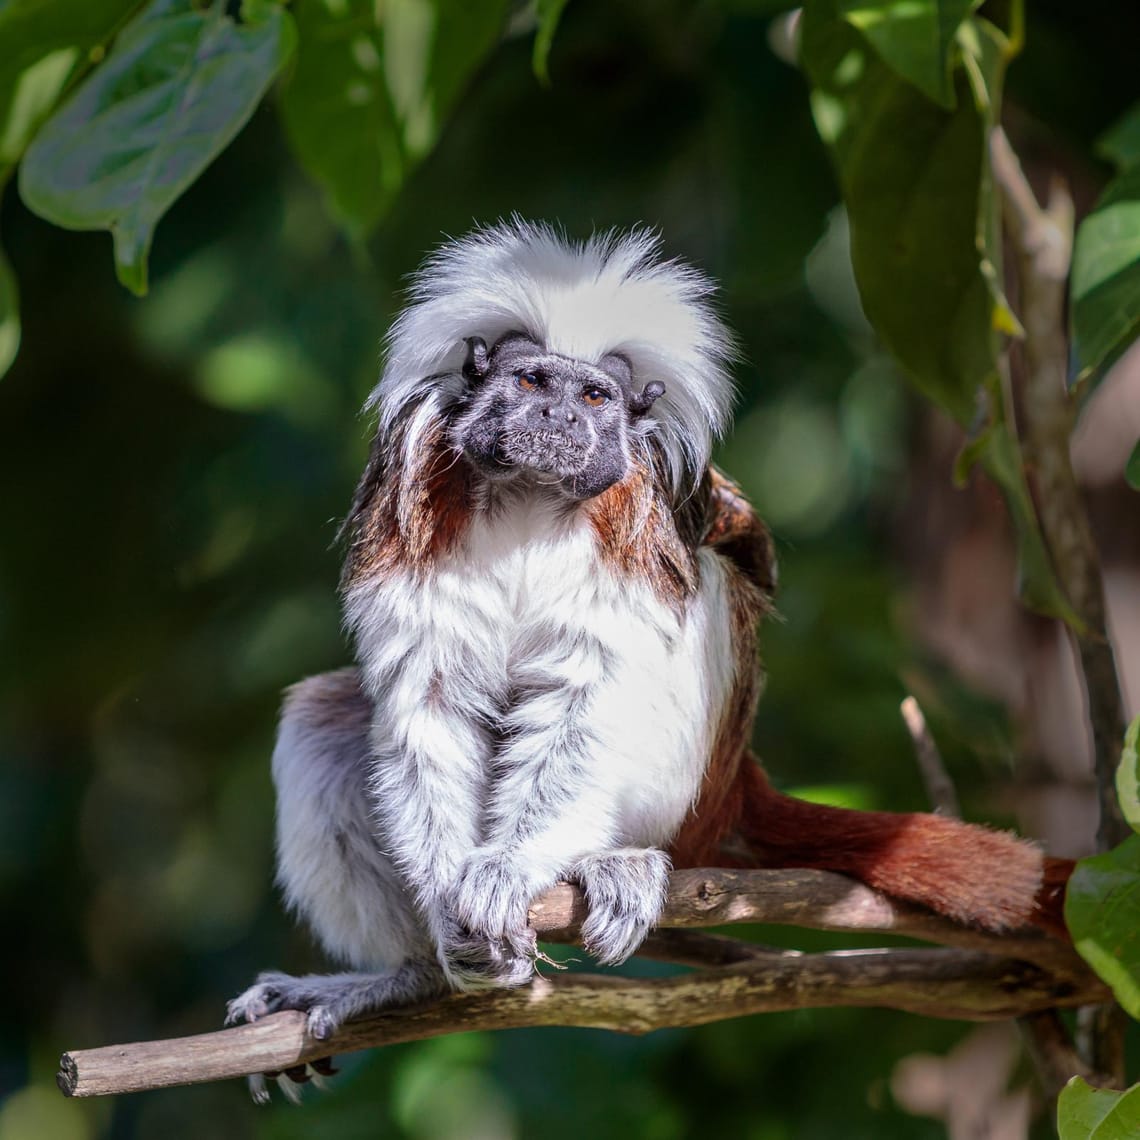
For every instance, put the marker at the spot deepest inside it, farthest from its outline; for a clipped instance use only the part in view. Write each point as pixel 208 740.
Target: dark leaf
pixel 913 175
pixel 1120 144
pixel 9 315
pixel 1132 467
pixel 368 96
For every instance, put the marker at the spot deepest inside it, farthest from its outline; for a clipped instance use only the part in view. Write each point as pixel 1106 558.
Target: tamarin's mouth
pixel 542 450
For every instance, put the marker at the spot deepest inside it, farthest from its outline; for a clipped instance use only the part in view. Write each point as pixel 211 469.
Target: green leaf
pixel 1102 911
pixel 547 13
pixel 1105 286
pixel 46 43
pixel 367 97
pixel 914 38
pixel 338 113
pixel 1120 144
pixel 176 88
pixel 1132 467
pixel 1085 1113
pixel 1128 776
pixel 9 315
pixel 466 34
pixel 912 175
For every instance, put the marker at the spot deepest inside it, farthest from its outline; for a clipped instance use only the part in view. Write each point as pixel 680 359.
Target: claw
pixel 258 1089
pixel 291 1090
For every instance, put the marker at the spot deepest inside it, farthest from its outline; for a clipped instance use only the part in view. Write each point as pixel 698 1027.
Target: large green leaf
pixel 912 175
pixel 1085 1113
pixel 338 113
pixel 1106 276
pixel 916 38
pixel 1128 776
pixel 1102 911
pixel 178 85
pixel 45 44
pixel 371 88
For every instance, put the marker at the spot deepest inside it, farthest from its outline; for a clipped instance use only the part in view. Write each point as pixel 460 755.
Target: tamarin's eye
pixel 595 397
pixel 529 381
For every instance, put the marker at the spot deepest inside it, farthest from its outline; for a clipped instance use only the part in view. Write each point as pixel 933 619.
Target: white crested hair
pixel 613 293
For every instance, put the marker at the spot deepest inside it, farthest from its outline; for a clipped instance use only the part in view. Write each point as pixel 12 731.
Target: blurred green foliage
pixel 173 471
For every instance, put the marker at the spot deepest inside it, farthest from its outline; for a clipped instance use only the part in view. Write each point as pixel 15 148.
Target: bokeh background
pixel 172 471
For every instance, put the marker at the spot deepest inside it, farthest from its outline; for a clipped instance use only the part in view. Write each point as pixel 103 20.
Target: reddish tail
pixel 982 878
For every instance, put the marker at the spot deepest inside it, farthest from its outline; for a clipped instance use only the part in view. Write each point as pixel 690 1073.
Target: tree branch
pixel 1043 241
pixel 987 977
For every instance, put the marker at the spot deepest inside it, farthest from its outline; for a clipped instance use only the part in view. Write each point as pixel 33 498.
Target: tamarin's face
pixel 556 421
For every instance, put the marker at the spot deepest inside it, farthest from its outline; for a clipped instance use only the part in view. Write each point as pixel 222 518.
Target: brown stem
pixel 1043 241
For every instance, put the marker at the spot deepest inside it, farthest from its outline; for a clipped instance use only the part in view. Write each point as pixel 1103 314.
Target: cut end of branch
pixel 68 1076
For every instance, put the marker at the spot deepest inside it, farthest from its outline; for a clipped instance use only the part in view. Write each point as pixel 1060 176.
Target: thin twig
pixel 939 787
pixel 1054 1056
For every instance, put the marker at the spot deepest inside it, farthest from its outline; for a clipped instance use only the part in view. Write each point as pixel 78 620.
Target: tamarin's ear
pixel 640 403
pixel 476 364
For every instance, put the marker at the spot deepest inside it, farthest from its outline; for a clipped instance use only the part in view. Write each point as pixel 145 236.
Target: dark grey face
pixel 553 419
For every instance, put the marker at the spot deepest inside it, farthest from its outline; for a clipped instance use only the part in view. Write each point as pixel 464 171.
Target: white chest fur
pixel 522 650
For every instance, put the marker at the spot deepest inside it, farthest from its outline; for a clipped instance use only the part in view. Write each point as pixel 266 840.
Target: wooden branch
pixel 819 900
pixel 989 979
pixel 1043 241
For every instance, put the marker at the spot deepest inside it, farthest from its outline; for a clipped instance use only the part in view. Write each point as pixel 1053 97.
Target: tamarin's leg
pixel 332 868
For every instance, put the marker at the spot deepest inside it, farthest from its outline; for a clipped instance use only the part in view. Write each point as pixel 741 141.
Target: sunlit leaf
pixel 1085 1113
pixel 372 86
pixel 45 43
pixel 912 174
pixel 914 38
pixel 1106 276
pixel 1102 911
pixel 1120 144
pixel 179 83
pixel 548 13
pixel 1128 776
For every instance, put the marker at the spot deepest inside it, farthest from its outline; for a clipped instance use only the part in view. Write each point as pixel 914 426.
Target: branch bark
pixel 986 977
pixel 1043 241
